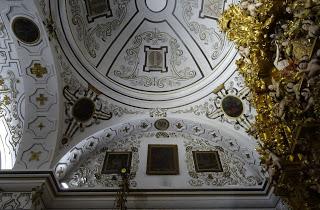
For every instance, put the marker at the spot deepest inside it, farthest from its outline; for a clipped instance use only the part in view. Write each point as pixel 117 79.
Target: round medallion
pixel 232 106
pixel 156 5
pixel 161 124
pixel 25 30
pixel 83 109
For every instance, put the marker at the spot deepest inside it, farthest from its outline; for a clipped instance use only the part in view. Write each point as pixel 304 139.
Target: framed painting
pixel 232 106
pixel 115 161
pixel 207 161
pixel 97 8
pixel 162 159
pixel 155 59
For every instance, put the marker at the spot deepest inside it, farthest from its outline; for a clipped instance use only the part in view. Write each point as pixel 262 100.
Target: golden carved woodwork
pixel 278 43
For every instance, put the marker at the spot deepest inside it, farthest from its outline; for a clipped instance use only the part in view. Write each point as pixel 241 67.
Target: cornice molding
pixel 54 197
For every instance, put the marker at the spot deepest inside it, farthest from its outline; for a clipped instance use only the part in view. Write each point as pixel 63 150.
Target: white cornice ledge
pixel 55 197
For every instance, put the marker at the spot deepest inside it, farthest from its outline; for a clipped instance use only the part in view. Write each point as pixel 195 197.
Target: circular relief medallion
pixel 232 106
pixel 83 109
pixel 156 5
pixel 161 124
pixel 25 30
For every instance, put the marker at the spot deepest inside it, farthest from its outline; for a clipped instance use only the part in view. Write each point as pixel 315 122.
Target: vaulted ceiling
pixel 121 75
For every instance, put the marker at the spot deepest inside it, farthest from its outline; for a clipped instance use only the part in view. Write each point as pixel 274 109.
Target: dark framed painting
pixel 207 161
pixel 232 106
pixel 97 8
pixel 162 159
pixel 115 161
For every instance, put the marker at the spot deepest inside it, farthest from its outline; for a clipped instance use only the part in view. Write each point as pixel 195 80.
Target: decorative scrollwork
pixel 83 109
pixel 88 35
pixel 130 71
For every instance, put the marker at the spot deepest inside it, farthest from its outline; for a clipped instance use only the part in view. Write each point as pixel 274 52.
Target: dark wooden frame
pixel 196 161
pixel 174 160
pixel 91 16
pixel 164 51
pixel 104 169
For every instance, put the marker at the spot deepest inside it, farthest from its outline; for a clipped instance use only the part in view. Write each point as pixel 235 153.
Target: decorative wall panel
pixel 38 107
pixel 234 172
pixel 130 70
pixel 11 99
pixel 85 171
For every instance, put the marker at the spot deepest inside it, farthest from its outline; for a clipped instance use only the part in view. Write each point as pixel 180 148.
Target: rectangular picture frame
pixel 97 9
pixel 162 159
pixel 207 161
pixel 115 161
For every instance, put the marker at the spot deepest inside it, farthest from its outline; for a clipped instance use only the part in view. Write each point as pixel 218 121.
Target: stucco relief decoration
pixel 127 137
pixel 41 126
pixel 235 171
pixel 88 173
pixel 70 80
pixel 177 70
pixel 11 91
pixel 86 33
pixel 9 106
pixel 212 41
pixel 42 99
pixel 35 156
pixel 212 8
pixel 83 108
pixel 158 112
pixel 39 72
pixel 15 200
pixel 229 103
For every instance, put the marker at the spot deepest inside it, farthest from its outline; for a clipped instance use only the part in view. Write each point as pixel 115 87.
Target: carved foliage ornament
pixel 86 34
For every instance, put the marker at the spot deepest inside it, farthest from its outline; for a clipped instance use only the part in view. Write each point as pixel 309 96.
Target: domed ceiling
pixel 150 53
pixel 117 76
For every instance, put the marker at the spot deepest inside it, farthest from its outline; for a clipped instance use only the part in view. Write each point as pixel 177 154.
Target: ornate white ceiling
pixel 138 62
pixel 147 58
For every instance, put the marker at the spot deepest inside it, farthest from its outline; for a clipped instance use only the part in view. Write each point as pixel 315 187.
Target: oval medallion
pixel 161 124
pixel 25 30
pixel 232 106
pixel 156 5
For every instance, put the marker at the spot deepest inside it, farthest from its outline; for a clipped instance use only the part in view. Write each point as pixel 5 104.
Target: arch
pixel 237 144
pixel 36 81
